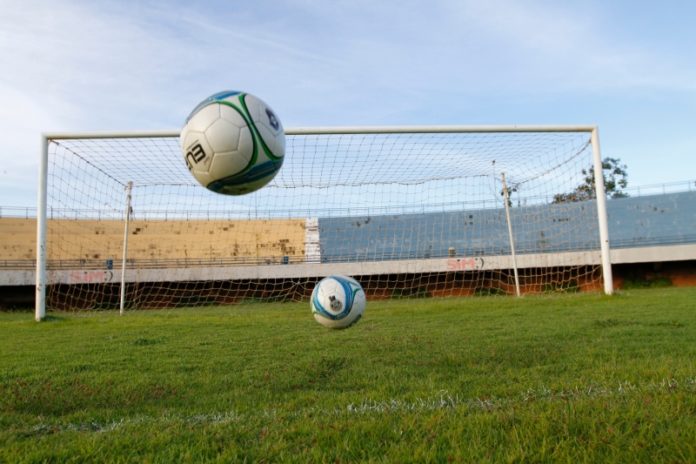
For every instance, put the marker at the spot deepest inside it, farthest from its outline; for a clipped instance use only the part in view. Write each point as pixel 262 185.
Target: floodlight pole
pixel 122 304
pixel 602 214
pixel 41 227
pixel 506 194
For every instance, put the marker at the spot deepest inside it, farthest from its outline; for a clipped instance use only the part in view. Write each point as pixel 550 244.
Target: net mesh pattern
pixel 407 214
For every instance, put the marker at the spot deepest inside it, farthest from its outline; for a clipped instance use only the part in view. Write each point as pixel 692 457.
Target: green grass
pixel 564 378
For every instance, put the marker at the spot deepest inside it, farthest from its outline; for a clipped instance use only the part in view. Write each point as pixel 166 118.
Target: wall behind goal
pixel 633 222
pixel 657 220
pixel 537 229
pixel 652 220
pixel 94 242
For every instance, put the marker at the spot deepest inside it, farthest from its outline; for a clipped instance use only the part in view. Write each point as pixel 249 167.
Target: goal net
pixel 409 212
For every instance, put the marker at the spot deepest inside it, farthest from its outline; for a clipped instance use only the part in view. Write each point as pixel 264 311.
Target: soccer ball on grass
pixel 338 302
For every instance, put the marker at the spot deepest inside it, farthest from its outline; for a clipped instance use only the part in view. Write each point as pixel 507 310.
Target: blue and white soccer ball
pixel 233 143
pixel 338 302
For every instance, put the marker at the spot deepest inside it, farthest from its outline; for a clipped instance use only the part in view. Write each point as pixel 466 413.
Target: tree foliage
pixel 615 177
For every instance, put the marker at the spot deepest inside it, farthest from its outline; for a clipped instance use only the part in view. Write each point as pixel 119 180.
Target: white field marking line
pixel 226 417
pixel 445 400
pixel 442 401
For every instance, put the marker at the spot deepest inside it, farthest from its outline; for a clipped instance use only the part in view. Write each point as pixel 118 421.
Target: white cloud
pixel 73 65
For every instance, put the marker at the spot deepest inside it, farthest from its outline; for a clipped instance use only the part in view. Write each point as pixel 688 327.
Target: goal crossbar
pixel 418 129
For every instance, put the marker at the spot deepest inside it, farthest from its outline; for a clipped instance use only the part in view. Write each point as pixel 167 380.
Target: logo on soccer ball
pixel 272 120
pixel 195 154
pixel 335 304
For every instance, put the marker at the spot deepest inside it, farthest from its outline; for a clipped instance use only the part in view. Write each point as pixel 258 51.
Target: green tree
pixel 511 189
pixel 615 181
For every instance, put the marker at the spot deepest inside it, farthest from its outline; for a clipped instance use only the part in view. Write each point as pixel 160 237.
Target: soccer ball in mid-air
pixel 338 302
pixel 233 143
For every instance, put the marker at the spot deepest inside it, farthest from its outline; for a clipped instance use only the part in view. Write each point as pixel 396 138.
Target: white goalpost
pixel 410 211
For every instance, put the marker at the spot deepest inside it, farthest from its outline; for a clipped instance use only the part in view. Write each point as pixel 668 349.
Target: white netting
pixel 405 213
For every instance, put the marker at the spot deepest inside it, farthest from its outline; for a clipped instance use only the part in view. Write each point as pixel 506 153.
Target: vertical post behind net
pixel 122 303
pixel 506 195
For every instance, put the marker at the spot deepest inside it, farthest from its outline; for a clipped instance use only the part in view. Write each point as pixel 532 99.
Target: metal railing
pixel 29 212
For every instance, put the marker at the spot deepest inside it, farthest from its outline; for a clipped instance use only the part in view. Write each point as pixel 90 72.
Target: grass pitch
pixel 557 378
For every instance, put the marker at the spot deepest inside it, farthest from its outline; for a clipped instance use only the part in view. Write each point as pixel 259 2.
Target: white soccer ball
pixel 233 143
pixel 338 302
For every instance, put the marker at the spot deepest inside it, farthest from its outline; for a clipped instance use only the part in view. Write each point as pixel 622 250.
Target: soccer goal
pixel 407 211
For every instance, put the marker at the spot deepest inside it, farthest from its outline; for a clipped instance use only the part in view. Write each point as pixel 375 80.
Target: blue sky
pixel 628 66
